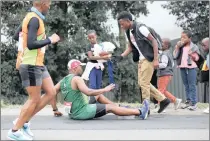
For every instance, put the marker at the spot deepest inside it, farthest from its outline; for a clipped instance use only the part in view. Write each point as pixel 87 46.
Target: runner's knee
pixel 34 94
pixel 35 99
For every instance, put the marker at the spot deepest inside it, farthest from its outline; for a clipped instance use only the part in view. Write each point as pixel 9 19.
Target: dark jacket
pixel 143 45
pixel 169 68
pixel 178 55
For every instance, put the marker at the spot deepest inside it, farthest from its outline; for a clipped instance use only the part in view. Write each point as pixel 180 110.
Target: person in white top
pixel 95 75
pixel 145 51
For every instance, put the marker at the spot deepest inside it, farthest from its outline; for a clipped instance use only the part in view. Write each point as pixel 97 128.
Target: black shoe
pixel 186 104
pixel 163 104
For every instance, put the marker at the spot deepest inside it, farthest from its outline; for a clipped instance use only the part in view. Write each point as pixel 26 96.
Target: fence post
pixel 205 87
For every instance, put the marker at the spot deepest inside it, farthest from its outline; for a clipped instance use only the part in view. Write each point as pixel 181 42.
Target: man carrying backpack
pixel 144 47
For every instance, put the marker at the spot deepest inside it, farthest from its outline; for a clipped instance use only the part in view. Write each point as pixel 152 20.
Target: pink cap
pixel 74 63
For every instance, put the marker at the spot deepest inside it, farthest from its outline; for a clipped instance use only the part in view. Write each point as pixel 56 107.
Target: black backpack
pixel 154 34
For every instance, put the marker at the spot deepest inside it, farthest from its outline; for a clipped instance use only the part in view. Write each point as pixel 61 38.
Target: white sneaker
pixel 26 128
pixel 177 103
pixel 156 108
pixel 18 135
pixel 206 111
pixel 192 107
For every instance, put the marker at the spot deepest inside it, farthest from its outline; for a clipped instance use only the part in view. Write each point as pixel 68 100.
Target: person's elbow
pixel 130 49
pixel 57 90
pixel 30 46
pixel 87 91
pixel 90 92
pixel 175 54
pixel 89 58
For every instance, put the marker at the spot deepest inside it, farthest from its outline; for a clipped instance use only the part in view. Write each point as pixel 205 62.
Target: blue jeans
pixel 189 80
pixel 110 72
pixel 95 78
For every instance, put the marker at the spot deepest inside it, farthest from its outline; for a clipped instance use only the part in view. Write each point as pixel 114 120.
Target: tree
pixel 63 19
pixel 127 70
pixel 191 15
pixel 70 20
pixel 11 89
pixel 135 7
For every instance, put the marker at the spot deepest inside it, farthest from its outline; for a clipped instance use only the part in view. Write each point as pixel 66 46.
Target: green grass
pixel 2 104
pixel 202 105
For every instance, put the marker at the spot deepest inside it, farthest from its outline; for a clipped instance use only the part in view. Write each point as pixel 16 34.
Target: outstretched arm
pixel 127 51
pixel 80 85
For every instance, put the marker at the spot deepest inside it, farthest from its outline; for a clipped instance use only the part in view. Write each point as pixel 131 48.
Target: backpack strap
pixel 138 32
pixel 138 25
pixel 140 35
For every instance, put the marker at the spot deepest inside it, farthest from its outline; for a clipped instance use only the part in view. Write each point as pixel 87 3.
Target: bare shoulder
pixel 76 80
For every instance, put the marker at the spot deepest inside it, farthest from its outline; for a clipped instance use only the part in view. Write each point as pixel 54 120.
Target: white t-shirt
pixel 144 31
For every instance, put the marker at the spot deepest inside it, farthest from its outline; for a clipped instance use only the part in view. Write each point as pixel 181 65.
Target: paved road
pixel 113 127
pixel 191 126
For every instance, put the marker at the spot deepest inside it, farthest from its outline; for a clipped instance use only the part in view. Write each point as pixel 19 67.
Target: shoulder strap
pixel 138 32
pixel 140 35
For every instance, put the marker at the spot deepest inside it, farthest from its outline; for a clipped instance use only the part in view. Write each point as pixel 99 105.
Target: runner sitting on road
pixel 73 89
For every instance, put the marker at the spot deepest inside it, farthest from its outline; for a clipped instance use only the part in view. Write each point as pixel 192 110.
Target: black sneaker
pixel 149 112
pixel 186 104
pixel 163 104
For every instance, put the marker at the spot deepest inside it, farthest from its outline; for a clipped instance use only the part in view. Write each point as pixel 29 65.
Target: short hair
pixel 168 41
pixel 91 31
pixel 205 39
pixel 188 33
pixel 125 15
